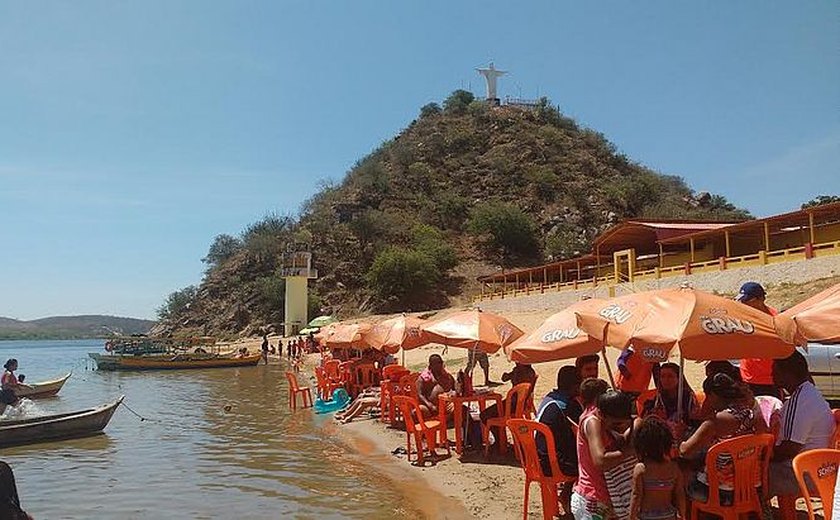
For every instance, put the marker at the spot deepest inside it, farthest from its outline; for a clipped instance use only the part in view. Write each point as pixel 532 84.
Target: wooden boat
pixel 173 361
pixel 44 389
pixel 71 425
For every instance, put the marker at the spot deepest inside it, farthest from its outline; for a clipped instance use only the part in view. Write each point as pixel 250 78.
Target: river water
pixel 190 458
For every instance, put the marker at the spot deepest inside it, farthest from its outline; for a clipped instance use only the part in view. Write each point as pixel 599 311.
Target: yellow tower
pixel 297 271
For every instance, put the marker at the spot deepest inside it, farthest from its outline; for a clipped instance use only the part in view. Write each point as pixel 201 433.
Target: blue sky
pixel 132 133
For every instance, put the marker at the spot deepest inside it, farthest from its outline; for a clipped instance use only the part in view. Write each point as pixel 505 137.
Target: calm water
pixel 190 459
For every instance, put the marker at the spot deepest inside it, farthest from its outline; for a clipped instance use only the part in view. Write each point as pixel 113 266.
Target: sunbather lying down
pixel 367 399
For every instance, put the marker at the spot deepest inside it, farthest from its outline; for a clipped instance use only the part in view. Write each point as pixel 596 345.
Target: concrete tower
pixel 297 271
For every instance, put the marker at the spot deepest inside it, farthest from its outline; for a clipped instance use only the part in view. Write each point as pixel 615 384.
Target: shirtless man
pixel 433 381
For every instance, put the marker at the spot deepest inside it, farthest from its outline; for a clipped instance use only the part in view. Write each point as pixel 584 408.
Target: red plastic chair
pixel 750 456
pixel 407 387
pixel 421 429
pixel 524 443
pixel 331 370
pixel 295 389
pixel 325 386
pixel 821 467
pixel 522 391
pixel 390 379
pixel 364 376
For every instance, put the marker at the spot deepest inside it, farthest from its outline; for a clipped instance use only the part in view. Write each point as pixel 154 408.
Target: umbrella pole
pixel 681 388
pixel 607 364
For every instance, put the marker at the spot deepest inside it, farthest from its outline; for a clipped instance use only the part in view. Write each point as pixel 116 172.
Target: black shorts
pixel 7 396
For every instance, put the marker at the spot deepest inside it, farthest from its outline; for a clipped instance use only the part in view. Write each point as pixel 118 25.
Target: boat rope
pixel 133 412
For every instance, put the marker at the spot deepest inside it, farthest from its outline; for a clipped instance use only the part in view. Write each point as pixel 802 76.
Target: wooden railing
pixel 720 264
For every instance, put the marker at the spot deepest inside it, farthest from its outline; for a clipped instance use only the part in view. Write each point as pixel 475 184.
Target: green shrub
pixel 458 101
pixel 504 230
pixel 429 109
pixel 544 182
pixel 431 241
pixel 402 275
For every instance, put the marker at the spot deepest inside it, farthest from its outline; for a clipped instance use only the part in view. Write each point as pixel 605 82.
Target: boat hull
pixel 50 428
pixel 169 362
pixel 42 390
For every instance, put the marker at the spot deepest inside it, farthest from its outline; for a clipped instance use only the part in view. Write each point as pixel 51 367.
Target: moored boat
pixel 173 361
pixel 70 425
pixel 43 389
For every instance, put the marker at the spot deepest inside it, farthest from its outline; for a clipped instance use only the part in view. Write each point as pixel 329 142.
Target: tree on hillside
pixel 458 101
pixel 820 200
pixel 177 302
pixel 429 109
pixel 403 277
pixel 505 231
pixel 223 247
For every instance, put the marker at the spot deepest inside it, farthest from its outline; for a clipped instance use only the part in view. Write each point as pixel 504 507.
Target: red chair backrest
pixel 331 369
pixel 408 385
pixel 524 442
pixel 821 467
pixel 411 413
pixel 388 372
pixel 293 384
pixel 365 375
pixel 522 391
pixel 750 455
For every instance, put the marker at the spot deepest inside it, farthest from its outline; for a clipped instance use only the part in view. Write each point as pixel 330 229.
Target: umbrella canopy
pixel 395 333
pixel 483 331
pixel 348 335
pixel 321 321
pixel 557 338
pixel 704 326
pixel 818 318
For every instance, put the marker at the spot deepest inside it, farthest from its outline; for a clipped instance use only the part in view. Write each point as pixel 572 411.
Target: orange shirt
pixel 758 371
pixel 640 373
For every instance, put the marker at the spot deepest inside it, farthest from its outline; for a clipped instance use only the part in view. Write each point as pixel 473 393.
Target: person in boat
pixel 9 501
pixel 9 381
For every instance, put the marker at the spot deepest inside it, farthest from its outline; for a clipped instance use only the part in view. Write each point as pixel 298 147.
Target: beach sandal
pixel 399 451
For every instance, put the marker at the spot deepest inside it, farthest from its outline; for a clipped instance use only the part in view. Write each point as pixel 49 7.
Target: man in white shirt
pixel 807 422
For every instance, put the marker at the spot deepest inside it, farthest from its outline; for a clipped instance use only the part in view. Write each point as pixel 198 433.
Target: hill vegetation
pixel 465 188
pixel 72 327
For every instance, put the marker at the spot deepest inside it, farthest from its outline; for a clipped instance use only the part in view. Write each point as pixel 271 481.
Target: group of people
pixel 647 465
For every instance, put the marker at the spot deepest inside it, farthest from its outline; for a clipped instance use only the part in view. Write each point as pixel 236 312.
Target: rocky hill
pixel 72 327
pixel 465 188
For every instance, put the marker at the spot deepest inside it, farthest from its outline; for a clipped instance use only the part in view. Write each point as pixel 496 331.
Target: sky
pixel 132 133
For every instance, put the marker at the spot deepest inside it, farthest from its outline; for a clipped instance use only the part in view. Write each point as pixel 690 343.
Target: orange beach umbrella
pixel 348 335
pixel 395 333
pixel 702 325
pixel 559 337
pixel 473 329
pixel 818 318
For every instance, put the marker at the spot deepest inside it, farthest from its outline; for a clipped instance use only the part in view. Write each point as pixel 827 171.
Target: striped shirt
pixel 806 418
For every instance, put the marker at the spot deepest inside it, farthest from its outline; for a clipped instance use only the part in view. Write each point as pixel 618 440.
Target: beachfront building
pixel 648 249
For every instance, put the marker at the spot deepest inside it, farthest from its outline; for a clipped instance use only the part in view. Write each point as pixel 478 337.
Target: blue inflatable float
pixel 340 398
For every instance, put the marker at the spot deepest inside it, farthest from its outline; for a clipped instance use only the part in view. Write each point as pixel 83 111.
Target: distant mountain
pixel 72 327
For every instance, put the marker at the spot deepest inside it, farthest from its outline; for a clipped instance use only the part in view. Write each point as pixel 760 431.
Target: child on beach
pixel 658 492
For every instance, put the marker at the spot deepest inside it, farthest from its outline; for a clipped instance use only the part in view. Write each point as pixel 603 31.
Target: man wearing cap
pixel 757 373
